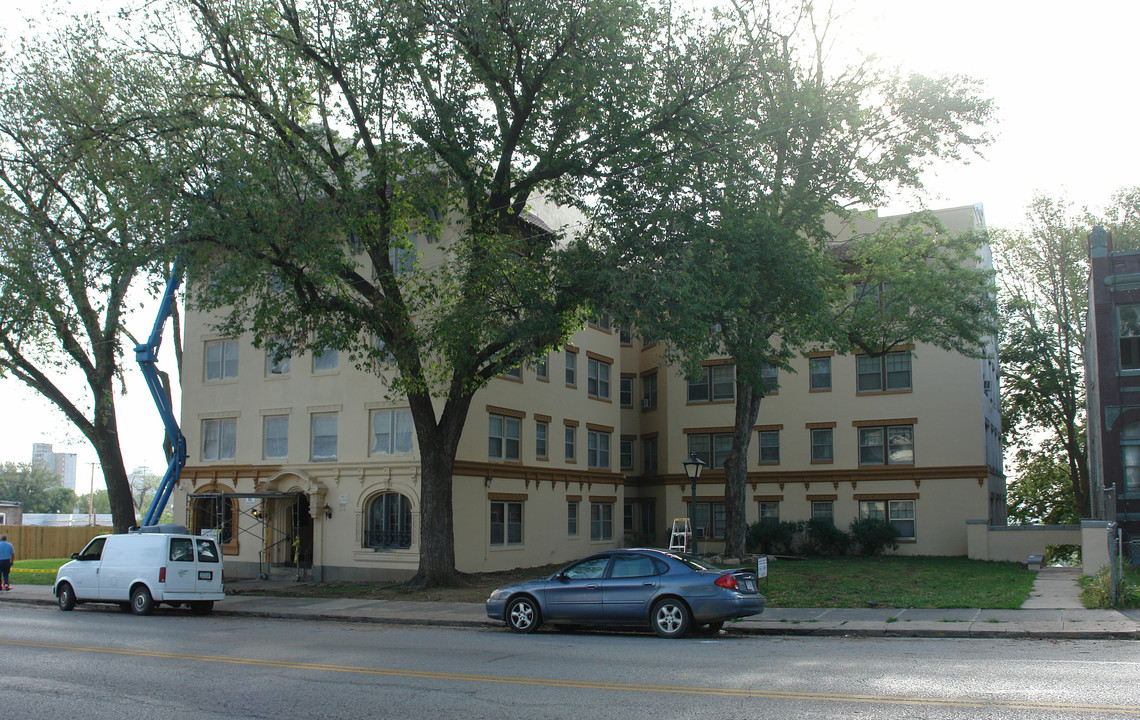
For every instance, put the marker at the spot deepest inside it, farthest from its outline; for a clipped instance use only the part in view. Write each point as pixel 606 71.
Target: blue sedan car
pixel 673 593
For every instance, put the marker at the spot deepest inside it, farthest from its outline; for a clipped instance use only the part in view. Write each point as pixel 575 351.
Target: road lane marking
pixel 595 685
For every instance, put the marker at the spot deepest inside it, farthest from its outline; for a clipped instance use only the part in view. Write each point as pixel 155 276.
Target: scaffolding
pixel 276 541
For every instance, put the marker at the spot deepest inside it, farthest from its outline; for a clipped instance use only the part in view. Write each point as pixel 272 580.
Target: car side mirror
pixel 563 577
pixel 74 556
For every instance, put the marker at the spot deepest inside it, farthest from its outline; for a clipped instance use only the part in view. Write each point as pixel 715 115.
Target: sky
pixel 1059 73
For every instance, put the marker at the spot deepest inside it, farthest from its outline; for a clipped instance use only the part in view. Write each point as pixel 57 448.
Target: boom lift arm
pixel 146 355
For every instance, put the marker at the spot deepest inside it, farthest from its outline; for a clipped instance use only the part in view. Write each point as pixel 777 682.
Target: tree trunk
pixel 736 469
pixel 105 440
pixel 439 443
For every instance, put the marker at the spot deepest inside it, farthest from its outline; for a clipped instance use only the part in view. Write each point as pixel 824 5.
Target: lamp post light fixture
pixel 693 467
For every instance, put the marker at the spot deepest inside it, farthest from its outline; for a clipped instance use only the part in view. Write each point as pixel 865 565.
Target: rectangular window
pixel 823 510
pixel 886 372
pixel 540 441
pixel 598 379
pixel 506 523
pixel 571 518
pixel 514 373
pixel 708 519
pixel 649 392
pixel 571 369
pixel 272 366
pixel 716 383
pixel 770 379
pixel 713 448
pixel 541 369
pixel 625 334
pixel 503 437
pixel 770 446
pixel 625 391
pixel 601 521
pixel 887 445
pixel 769 511
pixel 391 431
pixel 326 360
pixel 219 439
pixel 324 432
pixel 569 442
pixel 822 445
pixel 820 372
pixel 1128 323
pixel 899 513
pixel 597 449
pixel 277 436
pixel 627 453
pixel 603 321
pixel 649 455
pixel 221 359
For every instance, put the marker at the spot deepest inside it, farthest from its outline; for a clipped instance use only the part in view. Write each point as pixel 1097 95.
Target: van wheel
pixel 66 597
pixel 202 607
pixel 141 601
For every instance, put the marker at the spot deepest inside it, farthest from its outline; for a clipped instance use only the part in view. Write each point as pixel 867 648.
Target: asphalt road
pixel 101 664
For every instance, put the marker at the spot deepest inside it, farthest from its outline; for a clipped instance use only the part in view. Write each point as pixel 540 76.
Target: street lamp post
pixel 693 467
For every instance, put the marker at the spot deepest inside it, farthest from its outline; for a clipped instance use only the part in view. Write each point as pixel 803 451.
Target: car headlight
pixel 499 594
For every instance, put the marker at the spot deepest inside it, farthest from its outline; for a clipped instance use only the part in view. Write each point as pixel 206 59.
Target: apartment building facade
pixel 311 462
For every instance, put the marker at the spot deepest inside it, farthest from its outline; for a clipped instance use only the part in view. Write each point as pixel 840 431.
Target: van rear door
pixel 181 570
pixel 209 566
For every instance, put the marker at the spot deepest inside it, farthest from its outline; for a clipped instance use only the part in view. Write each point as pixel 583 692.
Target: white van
pixel 139 570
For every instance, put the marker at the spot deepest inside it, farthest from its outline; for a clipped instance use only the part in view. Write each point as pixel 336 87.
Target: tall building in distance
pixel 62 464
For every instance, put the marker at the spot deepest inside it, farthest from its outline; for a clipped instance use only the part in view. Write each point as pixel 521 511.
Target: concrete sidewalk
pixel 1052 615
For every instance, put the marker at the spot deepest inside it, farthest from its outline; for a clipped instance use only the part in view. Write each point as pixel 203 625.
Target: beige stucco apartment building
pixel 310 463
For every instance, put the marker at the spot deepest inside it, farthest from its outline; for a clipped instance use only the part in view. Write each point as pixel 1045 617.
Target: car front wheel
pixel 670 618
pixel 523 615
pixel 141 601
pixel 66 597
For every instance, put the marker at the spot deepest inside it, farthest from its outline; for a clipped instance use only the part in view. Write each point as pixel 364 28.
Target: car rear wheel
pixel 141 601
pixel 66 597
pixel 523 615
pixel 670 618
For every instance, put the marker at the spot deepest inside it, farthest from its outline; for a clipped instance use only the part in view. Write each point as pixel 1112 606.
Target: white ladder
pixel 681 536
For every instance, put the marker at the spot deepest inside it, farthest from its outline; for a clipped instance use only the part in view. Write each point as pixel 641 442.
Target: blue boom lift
pixel 146 355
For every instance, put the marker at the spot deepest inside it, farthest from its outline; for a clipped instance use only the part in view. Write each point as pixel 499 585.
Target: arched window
pixel 214 512
pixel 1130 456
pixel 389 524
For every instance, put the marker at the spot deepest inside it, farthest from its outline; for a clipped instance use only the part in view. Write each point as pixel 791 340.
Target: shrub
pixel 771 536
pixel 872 536
pixel 1063 555
pixel 821 537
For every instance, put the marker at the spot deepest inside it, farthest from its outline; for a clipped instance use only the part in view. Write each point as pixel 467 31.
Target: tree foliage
pixel 84 166
pixel 349 136
pixel 1043 295
pixel 37 489
pixel 725 250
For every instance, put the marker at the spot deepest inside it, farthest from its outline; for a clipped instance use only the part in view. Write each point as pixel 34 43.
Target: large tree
pixel 84 161
pixel 347 129
pixel 1043 291
pixel 725 251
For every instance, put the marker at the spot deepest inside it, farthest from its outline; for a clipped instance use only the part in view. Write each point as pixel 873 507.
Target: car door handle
pixel 593 586
pixel 649 584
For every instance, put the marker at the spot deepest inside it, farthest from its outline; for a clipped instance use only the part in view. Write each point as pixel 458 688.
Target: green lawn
pixel 896 582
pixel 36 572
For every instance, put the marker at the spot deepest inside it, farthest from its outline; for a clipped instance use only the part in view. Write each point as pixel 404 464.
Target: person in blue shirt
pixel 7 556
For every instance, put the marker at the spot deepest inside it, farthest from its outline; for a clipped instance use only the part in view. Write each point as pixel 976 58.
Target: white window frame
pixel 277 439
pixel 597 378
pixel 508 530
pixel 601 521
pixel 225 363
pixel 327 360
pixel 597 449
pixel 392 432
pixel 319 426
pixel 879 438
pixel 817 436
pixel 219 439
pixel 504 437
